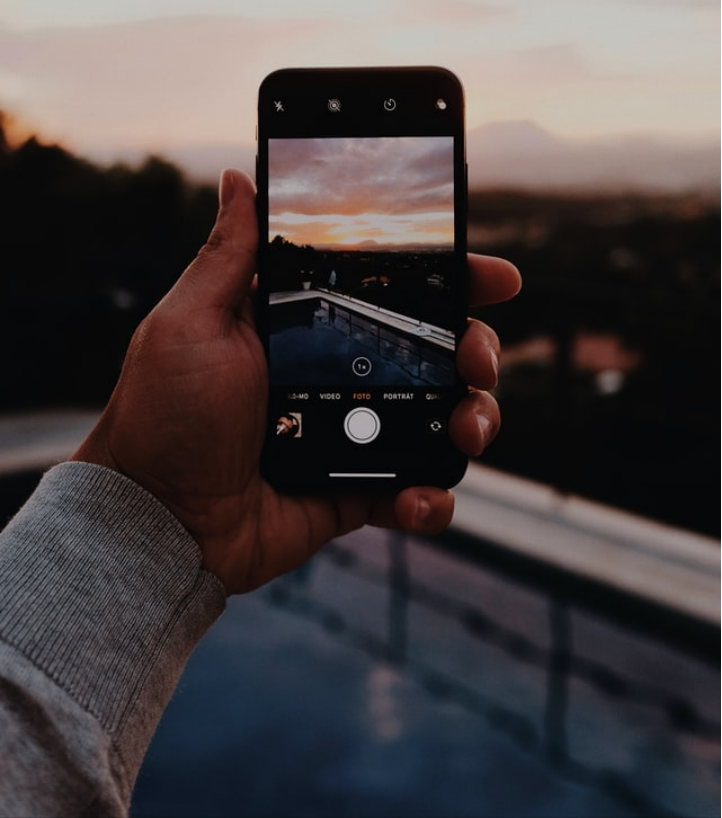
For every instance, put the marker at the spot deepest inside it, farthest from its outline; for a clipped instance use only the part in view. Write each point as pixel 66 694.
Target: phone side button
pixel 362 425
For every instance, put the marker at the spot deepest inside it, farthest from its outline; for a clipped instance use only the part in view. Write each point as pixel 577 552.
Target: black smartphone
pixel 361 177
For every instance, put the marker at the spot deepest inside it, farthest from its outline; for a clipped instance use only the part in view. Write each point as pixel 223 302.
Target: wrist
pixel 94 449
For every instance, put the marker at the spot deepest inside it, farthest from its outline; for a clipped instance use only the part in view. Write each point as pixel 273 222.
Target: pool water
pixel 388 677
pixel 314 342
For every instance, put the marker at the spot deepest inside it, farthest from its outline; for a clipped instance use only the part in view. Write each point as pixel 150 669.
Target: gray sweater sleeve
pixel 102 600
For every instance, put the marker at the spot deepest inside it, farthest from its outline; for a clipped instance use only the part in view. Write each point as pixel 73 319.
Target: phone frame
pixel 305 95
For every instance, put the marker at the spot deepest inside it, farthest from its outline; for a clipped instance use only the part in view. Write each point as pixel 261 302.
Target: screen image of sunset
pixel 380 193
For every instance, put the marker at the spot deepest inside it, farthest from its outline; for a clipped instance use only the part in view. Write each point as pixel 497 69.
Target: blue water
pixel 314 346
pixel 329 693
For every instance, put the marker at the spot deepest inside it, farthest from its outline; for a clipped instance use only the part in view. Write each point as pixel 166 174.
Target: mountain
pixel 523 155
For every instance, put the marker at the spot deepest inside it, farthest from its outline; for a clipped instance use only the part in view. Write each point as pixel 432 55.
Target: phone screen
pixel 361 179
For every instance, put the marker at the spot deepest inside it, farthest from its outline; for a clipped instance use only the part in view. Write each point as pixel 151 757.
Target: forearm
pixel 102 600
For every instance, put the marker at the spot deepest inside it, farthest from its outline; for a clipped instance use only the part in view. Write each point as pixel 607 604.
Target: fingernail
pixel 485 431
pixel 494 358
pixel 423 510
pixel 226 189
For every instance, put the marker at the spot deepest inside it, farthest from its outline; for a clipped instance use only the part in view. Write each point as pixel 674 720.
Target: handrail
pixel 669 567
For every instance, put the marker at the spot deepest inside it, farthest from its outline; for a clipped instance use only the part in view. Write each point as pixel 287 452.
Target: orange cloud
pixel 389 190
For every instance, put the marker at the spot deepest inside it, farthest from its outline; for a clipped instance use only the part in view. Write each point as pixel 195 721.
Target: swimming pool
pixel 315 341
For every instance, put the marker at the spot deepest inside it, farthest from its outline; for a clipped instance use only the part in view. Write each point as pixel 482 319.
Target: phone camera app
pixel 379 305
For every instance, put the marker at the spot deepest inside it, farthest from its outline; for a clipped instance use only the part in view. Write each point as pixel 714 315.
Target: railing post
pixel 558 668
pixel 399 582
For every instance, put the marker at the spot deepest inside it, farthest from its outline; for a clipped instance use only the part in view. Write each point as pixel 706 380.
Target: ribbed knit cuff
pixel 102 589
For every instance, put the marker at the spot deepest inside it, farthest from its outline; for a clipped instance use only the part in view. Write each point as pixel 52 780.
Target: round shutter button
pixel 362 425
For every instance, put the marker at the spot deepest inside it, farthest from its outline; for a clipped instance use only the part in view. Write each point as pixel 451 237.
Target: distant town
pixel 411 282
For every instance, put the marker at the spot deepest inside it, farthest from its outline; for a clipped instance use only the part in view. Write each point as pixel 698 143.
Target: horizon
pixel 178 78
pixel 371 247
pixel 650 169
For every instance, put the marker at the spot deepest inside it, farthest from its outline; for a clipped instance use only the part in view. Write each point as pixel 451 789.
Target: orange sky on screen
pixel 349 191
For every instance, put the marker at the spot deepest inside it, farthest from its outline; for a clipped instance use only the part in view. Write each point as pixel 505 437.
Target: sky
pixel 109 78
pixel 345 193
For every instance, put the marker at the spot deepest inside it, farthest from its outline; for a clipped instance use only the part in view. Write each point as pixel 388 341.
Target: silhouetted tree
pixel 86 252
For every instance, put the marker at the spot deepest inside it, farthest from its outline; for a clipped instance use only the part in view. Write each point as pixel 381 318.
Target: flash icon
pixel 279 106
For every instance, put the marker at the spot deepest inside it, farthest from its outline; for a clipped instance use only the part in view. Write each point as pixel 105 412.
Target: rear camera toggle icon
pixel 435 426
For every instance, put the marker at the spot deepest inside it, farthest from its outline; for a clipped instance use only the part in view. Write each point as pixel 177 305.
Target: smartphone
pixel 362 278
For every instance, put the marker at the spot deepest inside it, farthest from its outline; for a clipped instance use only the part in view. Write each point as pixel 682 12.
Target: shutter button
pixel 362 425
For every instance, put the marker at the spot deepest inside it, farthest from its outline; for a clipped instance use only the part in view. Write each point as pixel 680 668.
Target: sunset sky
pixel 348 192
pixel 115 79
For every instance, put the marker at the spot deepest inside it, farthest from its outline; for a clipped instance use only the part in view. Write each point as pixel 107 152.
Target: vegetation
pixel 85 252
pixel 644 270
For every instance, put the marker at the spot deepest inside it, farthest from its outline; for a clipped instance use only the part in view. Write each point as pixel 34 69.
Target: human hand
pixel 187 418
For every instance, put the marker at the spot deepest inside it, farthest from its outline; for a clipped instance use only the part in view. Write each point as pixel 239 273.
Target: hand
pixel 187 418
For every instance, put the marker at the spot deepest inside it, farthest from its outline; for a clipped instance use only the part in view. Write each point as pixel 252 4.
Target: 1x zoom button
pixel 361 366
pixel 362 425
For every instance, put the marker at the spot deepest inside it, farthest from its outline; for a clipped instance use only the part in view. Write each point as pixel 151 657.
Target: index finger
pixel 491 280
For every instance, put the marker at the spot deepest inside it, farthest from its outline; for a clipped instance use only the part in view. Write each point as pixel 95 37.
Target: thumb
pixel 222 272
